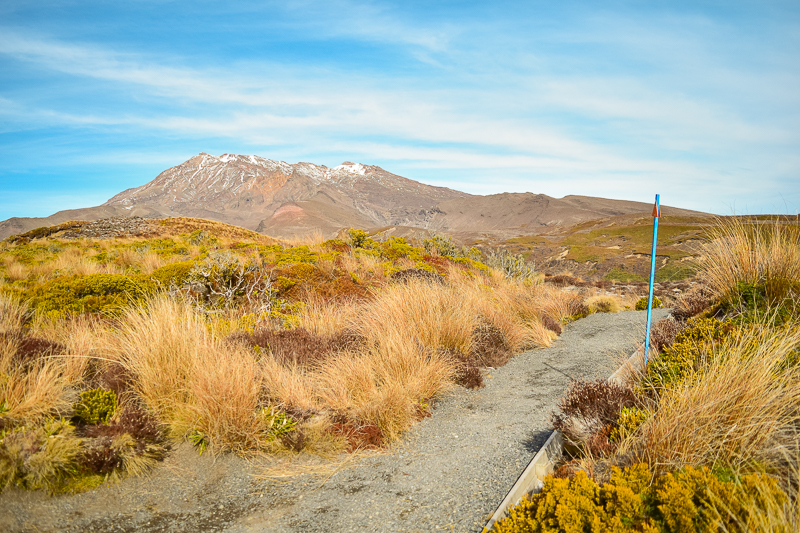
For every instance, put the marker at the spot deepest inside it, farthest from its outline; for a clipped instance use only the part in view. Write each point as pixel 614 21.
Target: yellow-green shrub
pixel 682 502
pixel 95 293
pixel 641 304
pixel 630 418
pixel 687 354
pixel 96 406
pixel 173 274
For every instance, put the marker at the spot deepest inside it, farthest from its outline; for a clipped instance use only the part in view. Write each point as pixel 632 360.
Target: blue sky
pixel 697 101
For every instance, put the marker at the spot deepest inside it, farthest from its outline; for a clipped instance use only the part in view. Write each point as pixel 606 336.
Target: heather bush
pixel 590 411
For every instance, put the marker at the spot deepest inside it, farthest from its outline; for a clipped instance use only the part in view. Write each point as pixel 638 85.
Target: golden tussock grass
pixel 36 391
pixel 191 381
pixel 751 253
pixel 604 303
pixel 15 271
pixel 742 412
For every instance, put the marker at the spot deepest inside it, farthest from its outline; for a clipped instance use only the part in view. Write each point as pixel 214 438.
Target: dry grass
pixel 16 271
pixel 31 392
pixel 603 303
pixel 742 252
pixel 313 238
pixel 191 381
pixel 742 412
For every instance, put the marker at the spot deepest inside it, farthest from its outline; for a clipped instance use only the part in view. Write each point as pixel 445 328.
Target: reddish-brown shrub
pixel 99 457
pixel 298 346
pixel 552 324
pixel 360 436
pixel 468 375
pixel 404 276
pixel 490 346
pixel 664 331
pixel 30 349
pixel 692 302
pixel 588 409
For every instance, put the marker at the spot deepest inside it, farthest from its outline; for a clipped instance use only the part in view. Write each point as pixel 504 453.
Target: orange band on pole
pixel 656 211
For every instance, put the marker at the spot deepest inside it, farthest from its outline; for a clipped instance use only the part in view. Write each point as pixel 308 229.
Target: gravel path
pixel 449 473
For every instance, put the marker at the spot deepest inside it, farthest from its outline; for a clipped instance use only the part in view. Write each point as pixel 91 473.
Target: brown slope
pixel 528 213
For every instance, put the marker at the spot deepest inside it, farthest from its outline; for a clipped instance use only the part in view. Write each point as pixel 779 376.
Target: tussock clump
pixel 490 345
pixel 603 304
pixel 41 457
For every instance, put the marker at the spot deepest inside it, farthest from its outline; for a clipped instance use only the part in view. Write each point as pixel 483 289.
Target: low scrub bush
pixel 95 293
pixel 40 457
pixel 691 500
pixel 641 304
pixel 298 346
pixel 96 406
pixel 590 411
pixel 690 352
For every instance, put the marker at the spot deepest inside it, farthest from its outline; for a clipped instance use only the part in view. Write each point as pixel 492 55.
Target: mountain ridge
pixel 283 200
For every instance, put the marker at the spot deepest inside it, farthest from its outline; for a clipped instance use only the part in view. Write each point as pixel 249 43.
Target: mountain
pixel 283 200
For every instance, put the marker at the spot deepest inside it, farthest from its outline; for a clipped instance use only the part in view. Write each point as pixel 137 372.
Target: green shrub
pixel 629 421
pixel 692 500
pixel 641 304
pixel 96 406
pixel 173 275
pixel 688 352
pixel 95 293
pixel 359 238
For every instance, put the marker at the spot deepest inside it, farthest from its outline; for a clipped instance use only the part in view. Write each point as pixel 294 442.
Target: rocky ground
pixel 449 473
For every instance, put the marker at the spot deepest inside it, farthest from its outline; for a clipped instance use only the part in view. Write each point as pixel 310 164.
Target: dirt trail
pixel 449 473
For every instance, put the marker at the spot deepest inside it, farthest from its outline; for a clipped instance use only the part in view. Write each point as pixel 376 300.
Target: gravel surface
pixel 449 473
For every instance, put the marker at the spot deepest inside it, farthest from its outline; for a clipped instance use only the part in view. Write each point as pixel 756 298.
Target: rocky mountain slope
pixel 280 199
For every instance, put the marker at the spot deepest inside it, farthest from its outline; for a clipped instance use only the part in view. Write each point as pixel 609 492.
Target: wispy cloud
pixel 598 102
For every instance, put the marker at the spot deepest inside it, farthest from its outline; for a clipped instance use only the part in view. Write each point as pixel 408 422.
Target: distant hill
pixel 283 200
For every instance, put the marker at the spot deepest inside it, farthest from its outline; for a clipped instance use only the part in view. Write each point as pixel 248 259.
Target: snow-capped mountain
pixel 281 199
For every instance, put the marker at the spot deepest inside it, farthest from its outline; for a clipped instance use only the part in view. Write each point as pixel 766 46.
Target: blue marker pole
pixel 656 214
